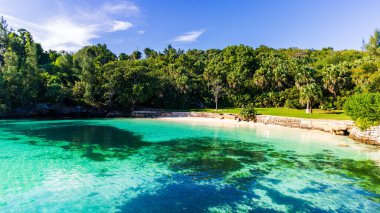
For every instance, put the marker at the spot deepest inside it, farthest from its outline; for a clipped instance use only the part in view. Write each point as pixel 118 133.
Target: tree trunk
pixel 308 107
pixel 216 103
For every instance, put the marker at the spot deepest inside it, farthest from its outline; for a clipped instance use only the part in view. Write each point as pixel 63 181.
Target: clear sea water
pixel 145 165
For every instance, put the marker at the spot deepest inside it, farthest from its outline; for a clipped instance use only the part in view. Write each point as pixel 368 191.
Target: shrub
pixel 292 104
pixel 3 109
pixel 364 109
pixel 248 112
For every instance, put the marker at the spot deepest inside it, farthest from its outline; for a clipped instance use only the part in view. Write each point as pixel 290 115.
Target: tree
pixel 149 53
pixel 240 64
pixel 373 45
pixel 136 55
pixel 31 70
pixel 216 89
pixel 174 78
pixel 88 62
pixel 60 79
pixel 366 76
pixel 127 84
pixel 334 78
pixel 364 109
pixel 123 57
pixel 11 79
pixel 273 71
pixel 307 86
pixel 20 72
pixel 4 32
pixel 215 74
pixel 308 94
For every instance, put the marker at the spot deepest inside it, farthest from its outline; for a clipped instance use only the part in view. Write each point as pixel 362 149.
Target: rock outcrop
pixel 336 127
pixel 369 136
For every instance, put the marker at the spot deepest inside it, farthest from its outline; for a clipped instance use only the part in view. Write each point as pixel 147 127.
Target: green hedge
pixel 364 109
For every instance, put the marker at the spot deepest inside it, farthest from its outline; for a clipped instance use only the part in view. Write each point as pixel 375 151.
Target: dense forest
pixel 177 79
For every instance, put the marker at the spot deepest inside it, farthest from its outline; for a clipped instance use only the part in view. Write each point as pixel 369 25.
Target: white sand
pixel 213 121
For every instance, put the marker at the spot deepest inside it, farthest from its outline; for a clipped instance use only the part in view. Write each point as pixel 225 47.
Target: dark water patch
pixel 184 196
pixel 102 136
pixel 33 142
pixel 13 139
pixel 95 142
pixel 365 173
pixel 93 194
pixel 294 204
pixel 94 156
pixel 317 188
pixel 104 173
pixel 209 157
pixel 242 164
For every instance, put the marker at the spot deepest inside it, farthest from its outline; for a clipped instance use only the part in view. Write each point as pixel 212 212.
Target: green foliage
pixel 364 109
pixel 366 75
pixel 373 45
pixel 3 109
pixel 126 83
pixel 285 112
pixel 248 112
pixel 292 104
pixel 334 78
pixel 174 78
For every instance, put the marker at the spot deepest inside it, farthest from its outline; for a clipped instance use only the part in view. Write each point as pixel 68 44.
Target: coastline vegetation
pixel 286 112
pixel 364 109
pixel 274 81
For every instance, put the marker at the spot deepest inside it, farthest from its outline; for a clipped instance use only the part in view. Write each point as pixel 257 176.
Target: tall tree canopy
pixel 235 76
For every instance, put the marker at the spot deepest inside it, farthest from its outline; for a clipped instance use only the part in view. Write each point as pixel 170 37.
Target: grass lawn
pixel 297 113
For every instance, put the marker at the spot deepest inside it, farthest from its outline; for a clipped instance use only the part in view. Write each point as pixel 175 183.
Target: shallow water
pixel 143 165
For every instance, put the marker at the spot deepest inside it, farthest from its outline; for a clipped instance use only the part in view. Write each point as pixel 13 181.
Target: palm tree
pixel 334 77
pixel 308 94
pixel 308 88
pixel 280 76
pixel 305 75
pixel 373 45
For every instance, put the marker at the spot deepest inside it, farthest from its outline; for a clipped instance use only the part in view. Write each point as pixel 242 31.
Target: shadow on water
pixel 183 196
pixel 241 165
pixel 95 142
pixel 197 163
pixel 210 158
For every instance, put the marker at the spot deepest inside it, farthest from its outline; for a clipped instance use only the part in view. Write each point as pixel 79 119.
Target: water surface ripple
pixel 143 165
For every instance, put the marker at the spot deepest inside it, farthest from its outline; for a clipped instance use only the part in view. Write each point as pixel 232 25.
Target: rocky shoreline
pixel 336 127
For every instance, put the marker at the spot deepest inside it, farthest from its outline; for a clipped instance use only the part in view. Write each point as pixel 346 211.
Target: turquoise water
pixel 143 165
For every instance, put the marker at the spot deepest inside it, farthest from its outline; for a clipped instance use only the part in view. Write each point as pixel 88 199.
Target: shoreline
pixel 336 127
pixel 373 151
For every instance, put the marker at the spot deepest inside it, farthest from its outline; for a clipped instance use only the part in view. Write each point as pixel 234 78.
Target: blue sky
pixel 125 25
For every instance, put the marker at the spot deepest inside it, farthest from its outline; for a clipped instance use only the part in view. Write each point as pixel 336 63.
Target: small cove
pixel 129 165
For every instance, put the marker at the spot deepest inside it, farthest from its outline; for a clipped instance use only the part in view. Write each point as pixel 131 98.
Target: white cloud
pixel 141 32
pixel 125 7
pixel 75 26
pixel 121 26
pixel 59 33
pixel 63 34
pixel 189 37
